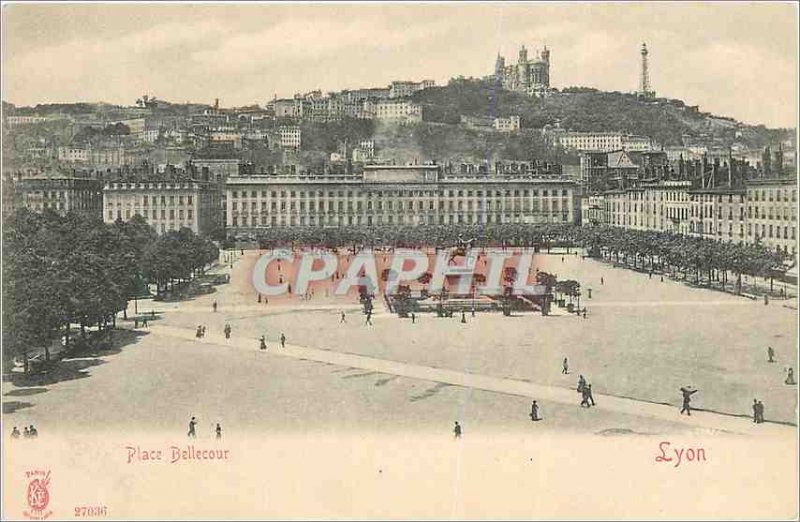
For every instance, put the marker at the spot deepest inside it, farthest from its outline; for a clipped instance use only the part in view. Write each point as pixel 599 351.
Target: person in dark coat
pixel 687 399
pixel 457 430
pixel 535 411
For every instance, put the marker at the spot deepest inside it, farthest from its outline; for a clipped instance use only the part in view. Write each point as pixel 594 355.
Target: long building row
pixel 243 204
pixel 223 197
pixel 762 210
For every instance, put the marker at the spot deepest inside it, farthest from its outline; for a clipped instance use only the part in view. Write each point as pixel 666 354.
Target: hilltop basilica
pixel 529 76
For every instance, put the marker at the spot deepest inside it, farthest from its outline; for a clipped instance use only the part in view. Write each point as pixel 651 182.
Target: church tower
pixel 523 55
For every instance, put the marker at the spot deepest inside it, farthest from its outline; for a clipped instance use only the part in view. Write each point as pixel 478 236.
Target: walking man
pixel 218 431
pixel 136 322
pixel 602 282
pixel 770 354
pixel 283 341
pixel 263 343
pixel 585 397
pixel 15 433
pixel 535 411
pixel 192 424
pixel 790 377
pixel 588 389
pixel 227 331
pixel 581 383
pixel 413 318
pixel 342 320
pixel 463 317
pixel 760 412
pixel 457 431
pixel 565 366
pixel 687 399
pixel 144 322
pixel 214 306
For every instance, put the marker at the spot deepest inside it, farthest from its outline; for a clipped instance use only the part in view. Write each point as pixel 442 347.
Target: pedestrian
pixel 227 331
pixel 562 259
pixel 581 383
pixel 199 332
pixel 192 424
pixel 687 398
pixel 214 306
pixel 585 397
pixel 770 354
pixel 135 322
pixel 602 282
pixel 26 434
pixel 584 312
pixel 369 318
pixel 33 432
pixel 457 430
pixel 263 343
pixel 144 322
pixel 463 317
pixel 342 320
pixel 535 411
pixel 766 300
pixel 662 278
pixel 259 298
pixel 218 431
pixel 152 314
pixel 760 412
pixel 204 331
pixel 588 389
pixel 755 411
pixel 15 433
pixel 565 366
pixel 283 341
pixel 413 318
pixel 590 293
pixel 790 377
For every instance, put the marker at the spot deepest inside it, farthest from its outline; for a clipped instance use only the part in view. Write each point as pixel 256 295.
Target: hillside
pixel 585 109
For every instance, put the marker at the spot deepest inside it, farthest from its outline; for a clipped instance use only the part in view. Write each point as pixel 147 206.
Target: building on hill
pixel 291 137
pixel 531 77
pixel 510 124
pixel 404 89
pixel 397 111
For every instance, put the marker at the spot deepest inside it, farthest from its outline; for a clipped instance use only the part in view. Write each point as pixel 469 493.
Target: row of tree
pixel 693 257
pixel 75 269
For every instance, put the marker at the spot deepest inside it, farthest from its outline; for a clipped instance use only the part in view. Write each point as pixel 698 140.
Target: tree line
pixel 76 269
pixel 700 259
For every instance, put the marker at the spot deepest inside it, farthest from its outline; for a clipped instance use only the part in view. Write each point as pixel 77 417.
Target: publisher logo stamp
pixel 38 495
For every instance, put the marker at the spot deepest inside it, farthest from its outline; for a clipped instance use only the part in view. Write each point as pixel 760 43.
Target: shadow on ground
pixel 73 365
pixel 12 406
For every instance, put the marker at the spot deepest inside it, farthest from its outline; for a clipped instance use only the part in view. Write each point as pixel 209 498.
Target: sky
pixel 732 59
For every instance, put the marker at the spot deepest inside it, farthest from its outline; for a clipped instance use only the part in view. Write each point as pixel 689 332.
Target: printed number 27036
pixel 91 511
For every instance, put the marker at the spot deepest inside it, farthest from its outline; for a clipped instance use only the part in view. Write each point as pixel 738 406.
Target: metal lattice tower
pixel 644 81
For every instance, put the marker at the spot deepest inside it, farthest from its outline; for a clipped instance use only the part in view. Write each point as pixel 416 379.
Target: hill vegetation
pixel 587 109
